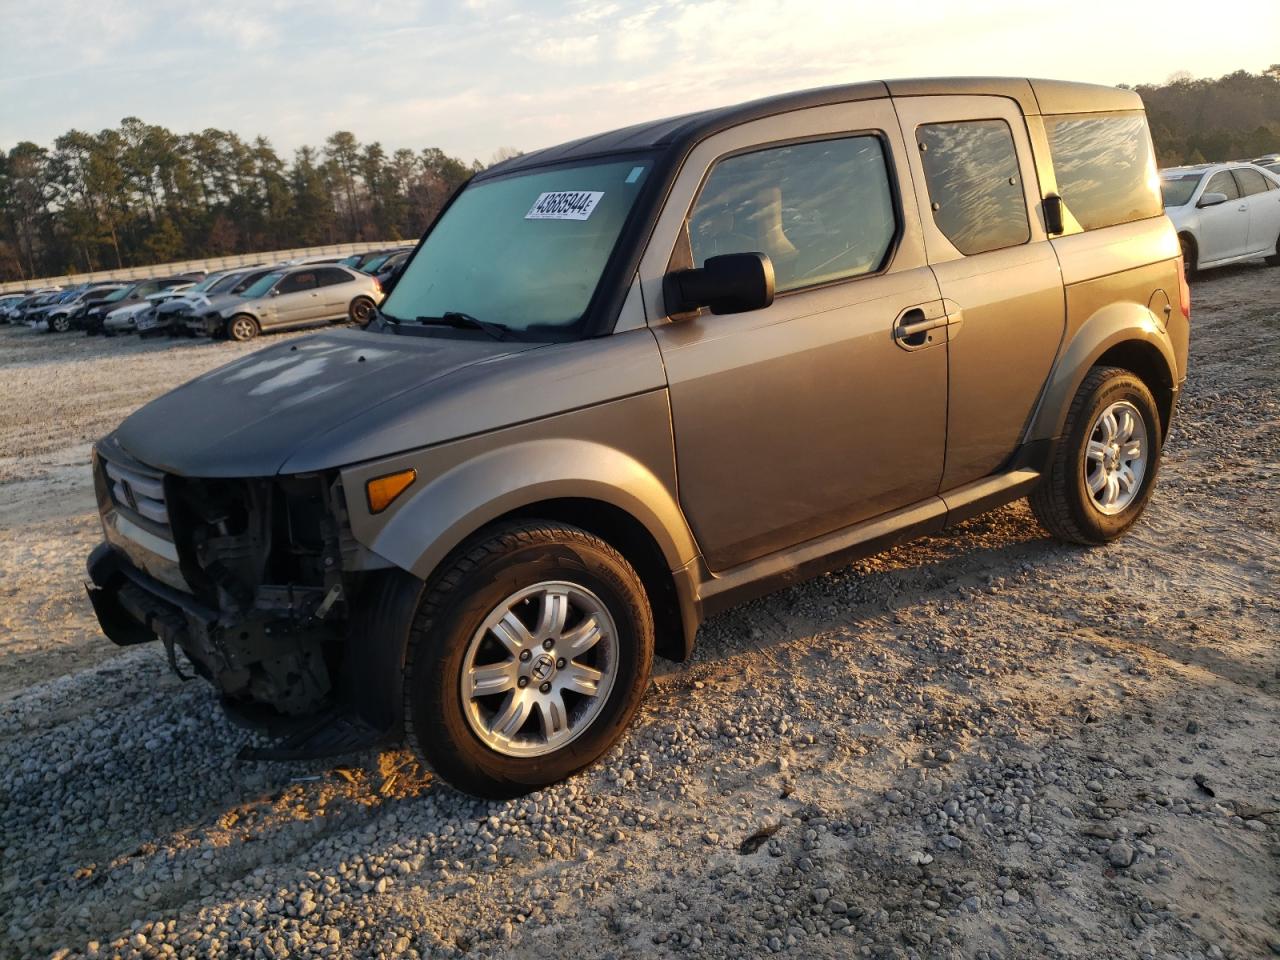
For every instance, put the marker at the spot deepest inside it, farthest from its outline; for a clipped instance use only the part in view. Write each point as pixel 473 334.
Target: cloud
pixel 566 51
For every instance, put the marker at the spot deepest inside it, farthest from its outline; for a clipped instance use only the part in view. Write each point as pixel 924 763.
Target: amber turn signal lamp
pixel 382 491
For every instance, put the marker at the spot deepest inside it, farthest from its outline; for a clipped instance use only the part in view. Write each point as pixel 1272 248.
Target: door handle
pixel 1243 208
pixel 912 329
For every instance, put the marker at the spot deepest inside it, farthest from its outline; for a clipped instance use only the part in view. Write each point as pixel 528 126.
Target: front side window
pixel 1105 167
pixel 1177 191
pixel 1251 181
pixel 264 284
pixel 821 210
pixel 1224 184
pixel 526 250
pixel 975 186
pixel 330 277
pixel 297 282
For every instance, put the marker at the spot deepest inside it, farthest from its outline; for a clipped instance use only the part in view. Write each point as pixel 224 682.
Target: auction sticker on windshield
pixel 564 205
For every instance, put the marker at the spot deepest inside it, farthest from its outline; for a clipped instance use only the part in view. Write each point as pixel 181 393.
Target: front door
pixel 1263 199
pixel 1224 227
pixel 821 410
pixel 978 192
pixel 298 299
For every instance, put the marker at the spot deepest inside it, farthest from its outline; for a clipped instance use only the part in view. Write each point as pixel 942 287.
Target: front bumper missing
pixel 271 655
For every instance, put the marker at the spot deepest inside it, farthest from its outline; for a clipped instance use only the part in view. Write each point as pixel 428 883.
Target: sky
pixel 473 76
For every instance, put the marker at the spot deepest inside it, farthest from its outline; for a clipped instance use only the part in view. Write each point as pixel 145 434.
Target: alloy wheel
pixel 539 669
pixel 1116 457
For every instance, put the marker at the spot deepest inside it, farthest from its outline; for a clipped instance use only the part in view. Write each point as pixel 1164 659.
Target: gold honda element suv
pixel 628 381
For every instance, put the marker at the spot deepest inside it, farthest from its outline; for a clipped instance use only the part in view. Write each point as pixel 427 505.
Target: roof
pixel 681 132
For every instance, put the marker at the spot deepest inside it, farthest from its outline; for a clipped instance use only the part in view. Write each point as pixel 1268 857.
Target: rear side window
pixel 1224 184
pixel 975 187
pixel 1105 168
pixel 1251 181
pixel 821 210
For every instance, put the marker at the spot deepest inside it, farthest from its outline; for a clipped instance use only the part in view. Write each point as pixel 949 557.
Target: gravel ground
pixel 982 744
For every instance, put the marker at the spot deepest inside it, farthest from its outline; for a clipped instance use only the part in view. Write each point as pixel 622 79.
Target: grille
pixel 138 492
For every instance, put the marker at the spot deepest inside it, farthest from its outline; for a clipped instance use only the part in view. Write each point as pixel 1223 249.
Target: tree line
pixel 140 194
pixel 1235 117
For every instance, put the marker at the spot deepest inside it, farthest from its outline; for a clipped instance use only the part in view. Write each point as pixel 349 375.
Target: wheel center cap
pixel 543 667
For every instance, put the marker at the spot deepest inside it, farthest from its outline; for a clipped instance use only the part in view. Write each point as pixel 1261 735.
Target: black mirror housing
pixel 731 283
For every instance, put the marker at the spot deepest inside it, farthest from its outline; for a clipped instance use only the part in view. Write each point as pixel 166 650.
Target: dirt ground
pixel 982 744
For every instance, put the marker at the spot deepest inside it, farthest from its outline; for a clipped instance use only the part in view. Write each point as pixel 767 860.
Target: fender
pixel 1113 325
pixel 618 453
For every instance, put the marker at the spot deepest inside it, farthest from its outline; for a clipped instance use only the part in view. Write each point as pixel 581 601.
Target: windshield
pixel 119 294
pixel 208 283
pixel 526 251
pixel 1178 190
pixel 260 288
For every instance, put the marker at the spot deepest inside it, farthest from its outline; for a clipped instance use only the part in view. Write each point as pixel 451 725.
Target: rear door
pixel 1263 200
pixel 1224 227
pixel 976 187
pixel 816 412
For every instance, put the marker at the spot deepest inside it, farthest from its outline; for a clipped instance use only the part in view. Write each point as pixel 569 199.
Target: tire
pixel 1274 259
pixel 60 323
pixel 242 328
pixel 1063 501
pixel 1190 255
pixel 360 311
pixel 454 733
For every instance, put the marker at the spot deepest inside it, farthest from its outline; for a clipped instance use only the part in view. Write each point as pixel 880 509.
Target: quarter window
pixel 975 186
pixel 821 210
pixel 1251 181
pixel 1225 184
pixel 1105 168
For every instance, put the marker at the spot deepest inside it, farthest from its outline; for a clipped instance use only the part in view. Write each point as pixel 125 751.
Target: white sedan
pixel 1224 213
pixel 127 318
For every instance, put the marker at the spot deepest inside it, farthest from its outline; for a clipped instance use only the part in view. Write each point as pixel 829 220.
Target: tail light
pixel 1184 290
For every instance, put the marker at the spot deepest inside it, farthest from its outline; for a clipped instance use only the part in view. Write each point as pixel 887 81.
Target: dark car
pixel 59 317
pixel 91 321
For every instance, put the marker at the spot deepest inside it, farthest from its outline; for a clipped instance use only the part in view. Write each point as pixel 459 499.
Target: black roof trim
pixel 686 130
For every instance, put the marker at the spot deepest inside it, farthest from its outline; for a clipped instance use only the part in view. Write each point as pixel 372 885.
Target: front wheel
pixel 1104 468
pixel 242 327
pixel 527 659
pixel 360 311
pixel 60 323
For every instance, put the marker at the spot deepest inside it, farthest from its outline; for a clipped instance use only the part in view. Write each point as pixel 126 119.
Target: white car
pixel 126 318
pixel 1224 213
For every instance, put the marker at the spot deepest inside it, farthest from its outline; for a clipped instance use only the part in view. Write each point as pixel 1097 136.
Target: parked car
pixel 1223 212
pixel 125 319
pixel 386 273
pixel 206 319
pixel 58 318
pixel 168 314
pixel 91 321
pixel 299 296
pixel 841 318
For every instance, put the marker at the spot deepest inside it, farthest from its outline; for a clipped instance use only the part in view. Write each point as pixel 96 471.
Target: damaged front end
pixel 251 579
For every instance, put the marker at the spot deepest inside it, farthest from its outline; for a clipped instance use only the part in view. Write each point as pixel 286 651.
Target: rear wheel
pixel 1105 466
pixel 1274 259
pixel 360 311
pixel 242 327
pixel 527 659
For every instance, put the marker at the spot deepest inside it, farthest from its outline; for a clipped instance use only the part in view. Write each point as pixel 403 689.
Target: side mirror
pixel 1211 199
pixel 732 283
pixel 1053 223
pixel 275 292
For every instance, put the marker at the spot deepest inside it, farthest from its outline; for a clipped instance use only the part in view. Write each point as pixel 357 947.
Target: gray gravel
pixel 980 745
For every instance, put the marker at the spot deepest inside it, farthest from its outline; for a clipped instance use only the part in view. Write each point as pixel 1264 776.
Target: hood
pixel 248 418
pixel 219 302
pixel 129 309
pixel 351 396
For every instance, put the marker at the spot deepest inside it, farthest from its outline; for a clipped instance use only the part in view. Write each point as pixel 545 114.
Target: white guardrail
pixel 208 265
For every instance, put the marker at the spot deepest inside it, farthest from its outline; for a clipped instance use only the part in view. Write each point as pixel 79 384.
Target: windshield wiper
pixel 465 321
